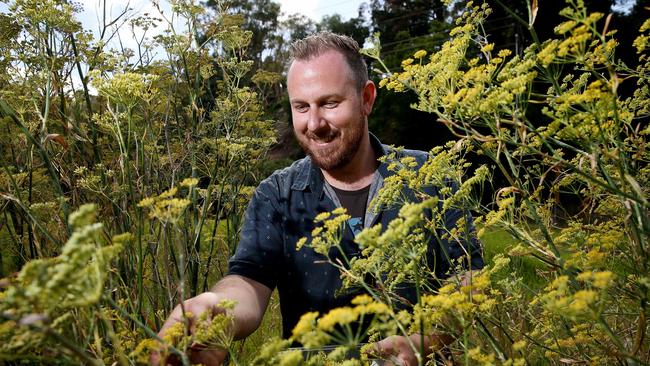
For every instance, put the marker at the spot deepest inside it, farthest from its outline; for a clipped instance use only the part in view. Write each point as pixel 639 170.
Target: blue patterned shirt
pixel 281 212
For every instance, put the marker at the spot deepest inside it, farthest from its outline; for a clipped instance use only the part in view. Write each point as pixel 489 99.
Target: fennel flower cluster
pixel 47 291
pixel 126 89
pixel 338 325
pixel 166 207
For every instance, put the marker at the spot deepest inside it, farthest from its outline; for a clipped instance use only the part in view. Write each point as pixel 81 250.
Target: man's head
pixel 331 98
pixel 319 43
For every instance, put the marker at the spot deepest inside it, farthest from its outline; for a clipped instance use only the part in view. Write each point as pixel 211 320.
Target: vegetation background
pixel 124 177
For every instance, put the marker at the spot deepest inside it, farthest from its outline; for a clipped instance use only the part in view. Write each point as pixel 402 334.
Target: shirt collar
pixel 310 175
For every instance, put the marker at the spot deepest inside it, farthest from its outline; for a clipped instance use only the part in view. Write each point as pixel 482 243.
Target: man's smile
pixel 322 141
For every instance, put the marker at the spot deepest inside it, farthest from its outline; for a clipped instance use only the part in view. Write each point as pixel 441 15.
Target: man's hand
pixel 196 306
pixel 251 299
pixel 398 350
pixel 402 351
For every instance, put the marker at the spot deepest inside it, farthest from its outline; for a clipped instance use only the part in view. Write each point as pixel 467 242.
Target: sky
pixel 90 17
pixel 316 9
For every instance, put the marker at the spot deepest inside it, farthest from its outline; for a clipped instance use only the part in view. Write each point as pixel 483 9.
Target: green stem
pixel 54 178
pixel 526 24
pixel 150 333
pixel 493 342
pixel 418 295
pixel 89 106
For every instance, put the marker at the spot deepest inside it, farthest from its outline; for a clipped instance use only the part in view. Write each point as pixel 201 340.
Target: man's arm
pixel 251 299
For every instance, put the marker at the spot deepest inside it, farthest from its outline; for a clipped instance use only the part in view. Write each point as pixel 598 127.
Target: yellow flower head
pixel 362 300
pixel 305 324
pixel 322 216
pixel 339 211
pixel 419 54
pixel 407 62
pixel 189 182
pixel 340 316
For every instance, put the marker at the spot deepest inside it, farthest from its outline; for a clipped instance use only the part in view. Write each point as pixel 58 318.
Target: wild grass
pixel 498 242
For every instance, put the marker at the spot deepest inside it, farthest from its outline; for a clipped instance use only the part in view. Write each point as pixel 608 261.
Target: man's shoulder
pixel 293 172
pixel 419 155
pixel 284 179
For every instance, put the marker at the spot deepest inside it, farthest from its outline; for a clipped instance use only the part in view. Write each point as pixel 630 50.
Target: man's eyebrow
pixel 321 98
pixel 329 96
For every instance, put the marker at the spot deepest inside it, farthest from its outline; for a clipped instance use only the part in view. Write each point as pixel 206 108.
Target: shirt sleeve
pixel 448 252
pixel 260 247
pixel 465 246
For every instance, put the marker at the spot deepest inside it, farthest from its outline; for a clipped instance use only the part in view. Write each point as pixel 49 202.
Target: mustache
pixel 324 135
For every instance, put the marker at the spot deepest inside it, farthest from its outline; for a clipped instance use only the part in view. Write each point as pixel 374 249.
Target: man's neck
pixel 358 173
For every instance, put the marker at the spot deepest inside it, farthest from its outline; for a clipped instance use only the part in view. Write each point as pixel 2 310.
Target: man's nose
pixel 316 121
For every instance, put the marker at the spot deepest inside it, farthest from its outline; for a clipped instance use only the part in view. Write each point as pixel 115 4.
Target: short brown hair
pixel 321 42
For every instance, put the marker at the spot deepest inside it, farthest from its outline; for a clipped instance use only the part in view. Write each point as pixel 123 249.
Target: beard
pixel 340 153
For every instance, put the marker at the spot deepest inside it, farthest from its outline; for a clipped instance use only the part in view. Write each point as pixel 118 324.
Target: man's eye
pixel 331 104
pixel 300 107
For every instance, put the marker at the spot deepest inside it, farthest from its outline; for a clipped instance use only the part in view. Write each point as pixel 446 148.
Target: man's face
pixel 328 110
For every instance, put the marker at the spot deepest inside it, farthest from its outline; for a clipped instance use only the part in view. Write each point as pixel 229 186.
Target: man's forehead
pixel 330 55
pixel 327 64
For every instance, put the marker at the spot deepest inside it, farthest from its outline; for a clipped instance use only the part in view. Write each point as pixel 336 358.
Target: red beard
pixel 341 152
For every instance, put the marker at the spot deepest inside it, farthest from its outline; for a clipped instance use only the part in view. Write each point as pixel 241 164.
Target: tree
pixel 354 27
pixel 405 27
pixel 259 17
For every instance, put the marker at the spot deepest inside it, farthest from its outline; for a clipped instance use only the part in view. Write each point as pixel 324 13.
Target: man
pixel 331 99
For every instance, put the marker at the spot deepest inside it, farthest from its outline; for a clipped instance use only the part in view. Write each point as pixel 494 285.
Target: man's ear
pixel 368 95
